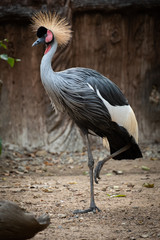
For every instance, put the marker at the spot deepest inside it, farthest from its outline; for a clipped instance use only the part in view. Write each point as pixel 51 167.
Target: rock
pixel 60 227
pixel 41 153
pixel 144 235
pixel 21 169
pixel 117 172
pixel 16 224
pixel 62 215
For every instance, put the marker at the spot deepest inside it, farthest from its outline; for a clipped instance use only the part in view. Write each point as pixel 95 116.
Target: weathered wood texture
pixel 124 48
pixel 123 45
pixel 22 99
pixel 23 9
pixel 27 118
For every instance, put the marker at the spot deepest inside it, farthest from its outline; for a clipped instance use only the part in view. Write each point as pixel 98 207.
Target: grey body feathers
pixel 69 90
pixel 75 91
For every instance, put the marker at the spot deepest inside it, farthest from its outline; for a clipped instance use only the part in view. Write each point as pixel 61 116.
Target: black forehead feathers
pixel 41 32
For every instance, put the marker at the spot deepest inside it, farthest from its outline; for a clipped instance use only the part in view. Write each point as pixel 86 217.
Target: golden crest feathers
pixel 59 26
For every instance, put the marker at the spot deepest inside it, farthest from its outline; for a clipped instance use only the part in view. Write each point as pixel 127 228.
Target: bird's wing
pixel 116 103
pixel 107 89
pixel 97 82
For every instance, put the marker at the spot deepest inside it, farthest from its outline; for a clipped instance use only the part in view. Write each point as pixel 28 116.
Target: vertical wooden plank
pixel 123 48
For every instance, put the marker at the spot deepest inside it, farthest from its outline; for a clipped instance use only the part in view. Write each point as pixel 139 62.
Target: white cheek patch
pixel 123 116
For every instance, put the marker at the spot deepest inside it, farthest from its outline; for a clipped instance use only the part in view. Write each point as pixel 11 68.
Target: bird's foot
pixel 97 171
pixel 91 209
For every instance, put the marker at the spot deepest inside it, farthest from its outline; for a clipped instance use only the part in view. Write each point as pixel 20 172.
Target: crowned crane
pixel 94 102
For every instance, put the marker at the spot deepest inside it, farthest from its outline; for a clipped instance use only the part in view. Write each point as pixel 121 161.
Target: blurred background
pixel 120 39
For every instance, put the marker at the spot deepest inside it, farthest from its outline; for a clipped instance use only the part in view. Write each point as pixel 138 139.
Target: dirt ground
pixel 128 193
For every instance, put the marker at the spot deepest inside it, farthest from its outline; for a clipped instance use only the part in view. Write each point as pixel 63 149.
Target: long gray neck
pixel 50 78
pixel 46 61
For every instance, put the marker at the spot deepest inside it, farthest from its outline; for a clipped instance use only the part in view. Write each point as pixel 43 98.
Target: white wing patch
pixel 90 86
pixel 123 116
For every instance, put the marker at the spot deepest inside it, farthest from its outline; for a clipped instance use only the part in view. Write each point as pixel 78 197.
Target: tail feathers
pixel 118 138
pixel 132 153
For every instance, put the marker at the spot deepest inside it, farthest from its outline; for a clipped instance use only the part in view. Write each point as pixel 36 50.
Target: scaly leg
pixel 101 163
pixel 93 206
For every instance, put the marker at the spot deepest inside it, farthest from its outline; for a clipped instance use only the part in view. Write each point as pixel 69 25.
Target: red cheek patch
pixel 49 36
pixel 47 49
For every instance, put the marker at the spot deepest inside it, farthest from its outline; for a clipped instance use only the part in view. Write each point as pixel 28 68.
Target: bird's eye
pixel 41 32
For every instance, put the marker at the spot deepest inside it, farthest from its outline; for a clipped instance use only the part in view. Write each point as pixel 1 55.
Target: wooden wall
pixel 126 49
pixel 121 44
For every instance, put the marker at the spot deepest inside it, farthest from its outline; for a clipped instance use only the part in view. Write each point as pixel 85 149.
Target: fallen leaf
pixel 116 187
pixel 108 174
pixel 85 173
pixel 145 168
pixel 48 190
pixel 148 185
pixel 38 171
pixel 3 179
pixel 60 215
pixel 48 163
pixel 153 158
pixel 70 160
pixel 71 167
pixel 72 183
pixel 83 153
pixel 118 172
pixel 27 168
pixel 119 195
pixel 6 174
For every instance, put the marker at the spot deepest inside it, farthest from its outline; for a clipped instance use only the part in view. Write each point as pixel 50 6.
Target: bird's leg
pixel 91 166
pixel 101 163
pixel 93 208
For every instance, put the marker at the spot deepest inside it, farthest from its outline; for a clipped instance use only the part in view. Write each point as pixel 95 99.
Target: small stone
pixel 70 160
pixel 117 172
pixel 62 215
pixel 131 185
pixel 123 223
pixel 144 236
pixel 41 153
pixel 135 207
pixel 21 169
pixel 60 227
pixel 116 188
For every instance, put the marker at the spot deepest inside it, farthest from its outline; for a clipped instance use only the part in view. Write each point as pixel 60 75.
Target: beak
pixel 38 41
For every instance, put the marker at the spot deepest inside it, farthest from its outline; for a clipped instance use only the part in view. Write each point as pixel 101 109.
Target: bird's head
pixel 50 29
pixel 44 36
